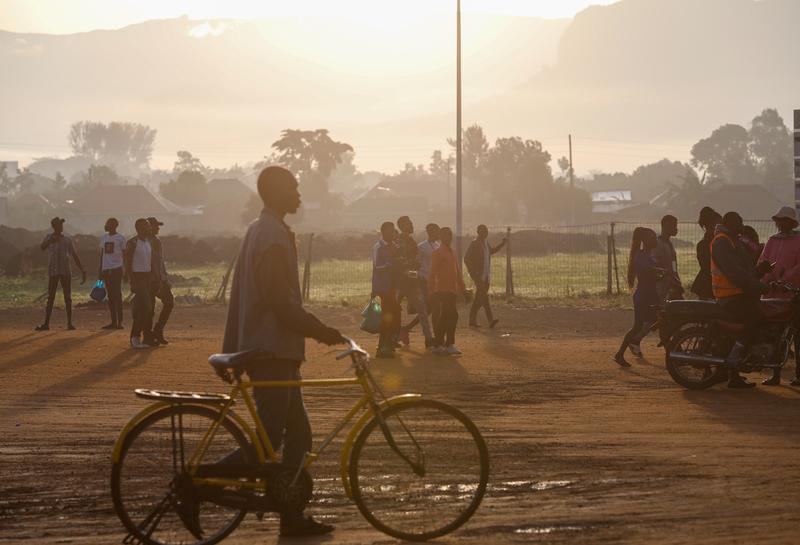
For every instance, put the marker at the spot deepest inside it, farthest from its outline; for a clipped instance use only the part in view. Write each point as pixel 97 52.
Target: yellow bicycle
pixel 416 468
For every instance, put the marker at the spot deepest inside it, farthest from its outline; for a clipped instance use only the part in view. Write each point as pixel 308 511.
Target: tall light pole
pixel 458 134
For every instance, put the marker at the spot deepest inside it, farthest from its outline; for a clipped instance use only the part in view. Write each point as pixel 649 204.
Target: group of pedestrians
pixel 139 260
pixel 427 276
pixel 736 270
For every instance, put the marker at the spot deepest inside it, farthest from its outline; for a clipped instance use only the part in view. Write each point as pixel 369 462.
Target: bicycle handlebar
pixel 353 350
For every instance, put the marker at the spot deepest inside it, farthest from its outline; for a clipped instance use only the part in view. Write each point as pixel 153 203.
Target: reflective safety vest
pixel 721 284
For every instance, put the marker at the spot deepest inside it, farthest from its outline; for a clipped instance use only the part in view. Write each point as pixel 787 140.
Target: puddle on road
pixel 541 530
pixel 508 486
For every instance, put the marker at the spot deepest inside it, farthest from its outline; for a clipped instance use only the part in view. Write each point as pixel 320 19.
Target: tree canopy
pixel 127 145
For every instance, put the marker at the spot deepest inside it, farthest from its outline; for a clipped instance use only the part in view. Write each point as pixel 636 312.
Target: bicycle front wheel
pixel 419 470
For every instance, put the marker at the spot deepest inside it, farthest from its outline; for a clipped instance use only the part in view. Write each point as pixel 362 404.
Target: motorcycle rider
pixel 737 289
pixel 783 249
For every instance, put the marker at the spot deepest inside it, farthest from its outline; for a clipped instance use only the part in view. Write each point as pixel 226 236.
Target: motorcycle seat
pixel 708 310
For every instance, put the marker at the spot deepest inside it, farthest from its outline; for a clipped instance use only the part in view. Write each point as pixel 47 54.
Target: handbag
pixel 372 315
pixel 98 292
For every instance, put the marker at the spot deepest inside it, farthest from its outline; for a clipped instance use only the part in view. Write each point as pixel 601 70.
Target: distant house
pixel 611 202
pixel 31 211
pixel 389 200
pixel 88 210
pixel 227 199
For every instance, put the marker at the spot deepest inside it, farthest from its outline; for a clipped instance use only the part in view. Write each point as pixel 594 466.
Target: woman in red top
pixel 445 285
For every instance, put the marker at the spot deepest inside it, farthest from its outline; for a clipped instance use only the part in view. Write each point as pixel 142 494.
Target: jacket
pixel 383 268
pixel 732 272
pixel 444 276
pixel 702 282
pixel 475 258
pixel 266 307
pixel 783 250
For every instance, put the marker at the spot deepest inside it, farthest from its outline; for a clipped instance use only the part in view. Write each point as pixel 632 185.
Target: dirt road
pixel 582 451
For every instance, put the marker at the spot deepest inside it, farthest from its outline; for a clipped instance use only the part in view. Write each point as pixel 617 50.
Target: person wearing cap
pixel 139 269
pixel 783 250
pixel 59 247
pixel 112 249
pixel 161 287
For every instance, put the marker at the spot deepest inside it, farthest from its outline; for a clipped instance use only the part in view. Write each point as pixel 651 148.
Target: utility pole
pixel 571 185
pixel 459 195
pixel 797 159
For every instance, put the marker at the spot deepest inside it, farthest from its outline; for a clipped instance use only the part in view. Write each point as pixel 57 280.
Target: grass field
pixel 557 275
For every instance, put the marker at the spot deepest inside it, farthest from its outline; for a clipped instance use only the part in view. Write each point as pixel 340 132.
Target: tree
pixel 5 186
pixel 126 145
pixel 98 175
pixel 649 180
pixel 59 182
pixel 771 147
pixel 187 163
pixel 312 157
pixel 440 167
pixel 474 148
pixel 189 188
pixel 518 171
pixel 725 155
pixel 563 165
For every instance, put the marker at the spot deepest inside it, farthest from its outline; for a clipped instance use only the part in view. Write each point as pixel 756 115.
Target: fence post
pixel 509 270
pixel 307 269
pixel 608 270
pixel 614 254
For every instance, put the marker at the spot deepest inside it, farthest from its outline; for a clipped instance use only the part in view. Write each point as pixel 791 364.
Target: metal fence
pixel 538 262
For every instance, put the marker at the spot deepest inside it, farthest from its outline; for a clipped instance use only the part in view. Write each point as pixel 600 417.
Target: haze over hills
pixel 633 82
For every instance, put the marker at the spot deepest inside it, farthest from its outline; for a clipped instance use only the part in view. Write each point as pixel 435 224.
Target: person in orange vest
pixel 737 289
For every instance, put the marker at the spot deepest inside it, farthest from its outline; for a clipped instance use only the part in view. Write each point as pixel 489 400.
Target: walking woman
pixel 643 273
pixel 709 219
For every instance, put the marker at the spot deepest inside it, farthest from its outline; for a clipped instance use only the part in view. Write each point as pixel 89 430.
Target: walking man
pixel 384 265
pixel 478 260
pixel 112 250
pixel 445 285
pixel 59 247
pixel 139 266
pixel 266 314
pixel 161 286
pixel 426 307
pixel 410 282
pixel 668 286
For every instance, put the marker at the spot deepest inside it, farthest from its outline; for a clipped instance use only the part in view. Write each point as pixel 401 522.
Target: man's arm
pixel 276 284
pixel 499 247
pixel 48 239
pixel 724 254
pixel 77 259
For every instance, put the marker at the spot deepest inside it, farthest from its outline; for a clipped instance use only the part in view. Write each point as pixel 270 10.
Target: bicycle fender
pixel 155 407
pixel 357 427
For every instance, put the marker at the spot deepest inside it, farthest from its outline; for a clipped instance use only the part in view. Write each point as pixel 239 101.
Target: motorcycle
pixel 698 335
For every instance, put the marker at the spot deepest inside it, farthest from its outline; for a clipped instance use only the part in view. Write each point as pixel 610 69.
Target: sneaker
pixel 137 343
pixel 304 527
pixel 452 350
pixel 158 335
pixel 109 326
pixel 43 327
pixel 70 327
pixel 150 340
pixel 404 337
pixel 740 382
pixel 439 351
pixel 636 350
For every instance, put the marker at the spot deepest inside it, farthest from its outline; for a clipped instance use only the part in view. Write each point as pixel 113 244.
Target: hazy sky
pixel 66 16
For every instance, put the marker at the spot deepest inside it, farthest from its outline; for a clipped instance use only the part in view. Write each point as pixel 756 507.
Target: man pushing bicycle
pixel 266 314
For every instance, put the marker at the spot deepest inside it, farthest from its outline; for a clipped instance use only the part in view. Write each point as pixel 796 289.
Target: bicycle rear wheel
pixel 452 470
pixel 152 491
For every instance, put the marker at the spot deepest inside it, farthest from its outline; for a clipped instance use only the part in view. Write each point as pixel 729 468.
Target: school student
pixel 445 285
pixel 112 251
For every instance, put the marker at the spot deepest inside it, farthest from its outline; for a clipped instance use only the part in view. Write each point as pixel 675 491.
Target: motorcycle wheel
pixel 694 341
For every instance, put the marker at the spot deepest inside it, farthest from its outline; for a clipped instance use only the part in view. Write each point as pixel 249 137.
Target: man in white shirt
pixel 139 266
pixel 426 307
pixel 112 251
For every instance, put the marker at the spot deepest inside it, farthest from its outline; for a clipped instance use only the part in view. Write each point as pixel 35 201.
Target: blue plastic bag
pixel 372 317
pixel 98 292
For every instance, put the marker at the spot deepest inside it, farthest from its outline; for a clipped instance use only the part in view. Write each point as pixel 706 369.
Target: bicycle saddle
pixel 234 360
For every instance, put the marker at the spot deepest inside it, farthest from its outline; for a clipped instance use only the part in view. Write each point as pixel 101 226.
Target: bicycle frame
pixel 258 437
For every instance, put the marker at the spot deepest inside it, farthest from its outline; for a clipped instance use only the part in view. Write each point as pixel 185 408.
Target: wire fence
pixel 538 262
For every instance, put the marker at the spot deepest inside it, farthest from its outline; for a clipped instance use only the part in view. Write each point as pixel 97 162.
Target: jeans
pixel 164 293
pixel 445 325
pixel 142 304
pixel 636 333
pixel 52 288
pixel 481 301
pixel 113 280
pixel 423 309
pixel 390 320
